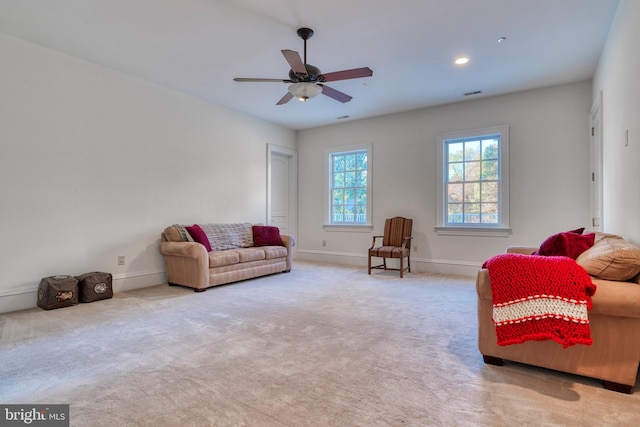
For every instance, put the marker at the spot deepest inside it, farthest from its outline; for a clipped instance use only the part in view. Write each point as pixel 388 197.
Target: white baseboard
pixel 23 298
pixel 418 265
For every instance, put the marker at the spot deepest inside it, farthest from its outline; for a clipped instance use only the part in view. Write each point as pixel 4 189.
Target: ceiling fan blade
pixel 293 58
pixel 355 73
pixel 288 97
pixel 246 79
pixel 335 94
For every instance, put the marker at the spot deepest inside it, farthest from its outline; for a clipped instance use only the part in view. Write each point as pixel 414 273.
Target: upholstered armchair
pixel 396 243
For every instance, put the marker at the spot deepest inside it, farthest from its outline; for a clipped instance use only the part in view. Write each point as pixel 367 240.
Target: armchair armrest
pixel 524 250
pixel 373 241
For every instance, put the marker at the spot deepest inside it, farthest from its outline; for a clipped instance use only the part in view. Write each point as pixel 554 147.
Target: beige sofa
pixel 188 263
pixel 614 320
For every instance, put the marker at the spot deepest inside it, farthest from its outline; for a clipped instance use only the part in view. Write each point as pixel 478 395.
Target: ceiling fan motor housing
pixel 313 74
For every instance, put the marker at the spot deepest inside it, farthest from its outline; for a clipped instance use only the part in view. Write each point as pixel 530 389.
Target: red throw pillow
pixel 266 235
pixel 569 244
pixel 199 236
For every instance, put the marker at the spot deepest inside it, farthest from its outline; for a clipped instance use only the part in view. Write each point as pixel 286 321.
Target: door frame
pixel 292 157
pixel 596 148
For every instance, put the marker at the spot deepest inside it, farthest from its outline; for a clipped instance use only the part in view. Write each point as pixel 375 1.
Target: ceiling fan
pixel 306 80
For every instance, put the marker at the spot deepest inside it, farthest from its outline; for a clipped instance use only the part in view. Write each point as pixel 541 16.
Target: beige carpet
pixel 320 346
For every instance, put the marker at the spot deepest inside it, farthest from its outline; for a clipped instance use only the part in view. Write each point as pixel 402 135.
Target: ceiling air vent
pixel 477 92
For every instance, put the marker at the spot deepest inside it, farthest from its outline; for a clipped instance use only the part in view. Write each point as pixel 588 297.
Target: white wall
pixel 94 164
pixel 618 79
pixel 549 167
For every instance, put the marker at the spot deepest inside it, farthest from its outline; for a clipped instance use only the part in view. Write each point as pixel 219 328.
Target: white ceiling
pixel 199 46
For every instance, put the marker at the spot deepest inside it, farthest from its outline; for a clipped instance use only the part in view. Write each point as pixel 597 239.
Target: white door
pixel 280 192
pixel 282 188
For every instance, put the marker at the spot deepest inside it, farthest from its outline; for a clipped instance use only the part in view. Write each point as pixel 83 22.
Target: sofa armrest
pixel 288 242
pixel 186 264
pixel 183 249
pixel 524 250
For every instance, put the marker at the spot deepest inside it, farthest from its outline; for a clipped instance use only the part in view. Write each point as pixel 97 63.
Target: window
pixel 349 185
pixel 474 182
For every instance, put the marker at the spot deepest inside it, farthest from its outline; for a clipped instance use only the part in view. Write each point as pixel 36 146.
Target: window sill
pixel 366 228
pixel 474 231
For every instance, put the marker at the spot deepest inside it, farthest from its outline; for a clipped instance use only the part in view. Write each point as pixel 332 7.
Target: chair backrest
pixel 395 230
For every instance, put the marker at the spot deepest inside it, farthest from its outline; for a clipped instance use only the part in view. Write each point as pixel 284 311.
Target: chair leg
pixel 409 262
pixel 384 262
pixel 401 267
pixel 369 266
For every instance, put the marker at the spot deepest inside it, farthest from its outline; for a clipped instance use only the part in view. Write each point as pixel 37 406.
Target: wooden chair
pixel 396 243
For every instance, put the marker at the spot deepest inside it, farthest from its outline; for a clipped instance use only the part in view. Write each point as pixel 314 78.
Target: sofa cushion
pixel 570 243
pixel 228 236
pixel 199 236
pixel 274 251
pixel 222 258
pixel 266 235
pixel 249 254
pixel 611 258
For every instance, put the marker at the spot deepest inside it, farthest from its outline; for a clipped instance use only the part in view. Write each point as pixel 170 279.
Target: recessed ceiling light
pixel 461 60
pixel 502 39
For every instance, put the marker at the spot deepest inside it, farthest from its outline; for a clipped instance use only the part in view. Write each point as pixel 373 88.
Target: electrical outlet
pixel 120 259
pixel 324 243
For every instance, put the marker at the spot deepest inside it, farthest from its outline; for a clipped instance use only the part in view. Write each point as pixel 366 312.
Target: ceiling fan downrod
pixel 305 34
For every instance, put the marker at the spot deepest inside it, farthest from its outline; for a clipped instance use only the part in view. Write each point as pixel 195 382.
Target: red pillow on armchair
pixel 570 244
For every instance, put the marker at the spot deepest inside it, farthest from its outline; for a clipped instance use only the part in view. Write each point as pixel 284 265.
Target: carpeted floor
pixel 324 345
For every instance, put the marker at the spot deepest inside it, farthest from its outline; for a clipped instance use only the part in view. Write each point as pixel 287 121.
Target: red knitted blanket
pixel 540 298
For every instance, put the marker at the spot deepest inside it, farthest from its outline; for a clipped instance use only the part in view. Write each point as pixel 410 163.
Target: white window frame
pixel 328 223
pixel 502 228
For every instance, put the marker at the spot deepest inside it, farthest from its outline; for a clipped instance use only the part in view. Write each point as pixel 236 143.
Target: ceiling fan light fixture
pixel 304 90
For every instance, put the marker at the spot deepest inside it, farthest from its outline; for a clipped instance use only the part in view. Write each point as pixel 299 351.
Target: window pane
pixel 338 179
pixel 349 196
pixel 454 193
pixel 472 212
pixel 338 213
pixel 338 163
pixel 490 170
pixel 455 151
pixel 349 214
pixel 454 213
pixel 472 171
pixel 361 196
pixel 472 193
pixel 456 172
pixel 350 162
pixel 472 150
pixel 361 161
pixel 338 197
pixel 361 214
pixel 490 149
pixel 361 179
pixel 349 179
pixel 490 213
pixel 489 192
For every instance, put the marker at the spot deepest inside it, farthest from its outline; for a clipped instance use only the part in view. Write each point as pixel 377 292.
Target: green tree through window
pixel 349 187
pixel 473 180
